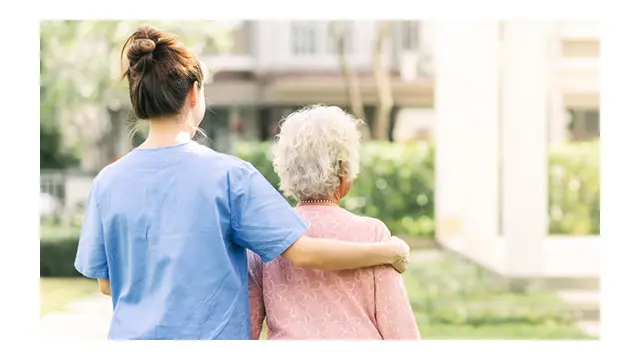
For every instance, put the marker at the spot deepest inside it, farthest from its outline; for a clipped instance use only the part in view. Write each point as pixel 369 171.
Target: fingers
pixel 403 263
pixel 401 266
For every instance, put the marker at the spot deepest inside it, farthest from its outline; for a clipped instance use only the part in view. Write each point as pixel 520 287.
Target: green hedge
pixel 396 185
pixel 57 255
pixel 58 245
pixel 574 189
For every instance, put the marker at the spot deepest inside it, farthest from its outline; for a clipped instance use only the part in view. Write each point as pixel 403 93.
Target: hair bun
pixel 143 46
pixel 140 54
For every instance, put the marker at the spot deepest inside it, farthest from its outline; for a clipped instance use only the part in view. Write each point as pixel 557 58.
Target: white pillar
pixel 557 113
pixel 524 144
pixel 480 134
pixel 449 62
pixel 467 109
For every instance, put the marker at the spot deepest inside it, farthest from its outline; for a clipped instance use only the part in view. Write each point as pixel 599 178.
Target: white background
pixel 19 223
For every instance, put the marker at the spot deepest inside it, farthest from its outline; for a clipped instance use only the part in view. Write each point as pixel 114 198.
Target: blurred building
pixel 578 80
pixel 275 67
pixel 278 66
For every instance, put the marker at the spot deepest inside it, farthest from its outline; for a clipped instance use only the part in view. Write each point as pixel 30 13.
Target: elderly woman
pixel 317 159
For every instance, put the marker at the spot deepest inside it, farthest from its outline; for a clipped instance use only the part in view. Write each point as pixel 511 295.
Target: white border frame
pixel 620 179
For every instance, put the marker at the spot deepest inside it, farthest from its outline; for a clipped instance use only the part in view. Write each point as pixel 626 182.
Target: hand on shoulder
pixel 402 248
pixel 401 265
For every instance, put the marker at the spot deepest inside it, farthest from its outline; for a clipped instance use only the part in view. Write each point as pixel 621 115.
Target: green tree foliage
pixel 82 99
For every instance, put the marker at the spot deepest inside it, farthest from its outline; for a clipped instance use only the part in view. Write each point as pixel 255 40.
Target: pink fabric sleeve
pixel 256 299
pixel 394 315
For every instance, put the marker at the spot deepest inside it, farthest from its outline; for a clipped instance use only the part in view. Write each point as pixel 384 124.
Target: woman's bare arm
pixel 104 285
pixel 328 254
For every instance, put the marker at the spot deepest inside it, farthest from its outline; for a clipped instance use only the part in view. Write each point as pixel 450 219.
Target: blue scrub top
pixel 169 227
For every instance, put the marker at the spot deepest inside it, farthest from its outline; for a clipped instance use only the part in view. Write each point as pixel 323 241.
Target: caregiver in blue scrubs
pixel 167 226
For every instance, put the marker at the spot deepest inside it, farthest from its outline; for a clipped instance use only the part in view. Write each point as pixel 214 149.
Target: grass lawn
pixel 493 332
pixel 50 231
pixel 57 293
pixel 453 300
pixel 501 332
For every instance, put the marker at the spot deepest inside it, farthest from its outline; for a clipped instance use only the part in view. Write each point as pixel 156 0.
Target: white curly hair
pixel 315 146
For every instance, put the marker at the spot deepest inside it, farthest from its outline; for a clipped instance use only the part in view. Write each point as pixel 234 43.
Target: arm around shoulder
pixel 265 223
pixel 329 254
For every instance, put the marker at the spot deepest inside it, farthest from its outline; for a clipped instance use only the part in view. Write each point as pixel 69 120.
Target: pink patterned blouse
pixel 364 304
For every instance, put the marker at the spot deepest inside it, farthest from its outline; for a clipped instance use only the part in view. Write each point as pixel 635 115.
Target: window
pixel 347 27
pixel 584 124
pixel 304 38
pixel 580 48
pixel 410 35
pixel 592 122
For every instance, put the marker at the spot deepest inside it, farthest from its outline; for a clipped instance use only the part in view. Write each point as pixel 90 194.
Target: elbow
pixel 301 260
pixel 298 255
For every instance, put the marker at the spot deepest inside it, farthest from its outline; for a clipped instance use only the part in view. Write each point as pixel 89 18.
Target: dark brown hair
pixel 160 71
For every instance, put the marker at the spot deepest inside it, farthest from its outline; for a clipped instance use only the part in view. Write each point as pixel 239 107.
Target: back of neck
pixel 164 133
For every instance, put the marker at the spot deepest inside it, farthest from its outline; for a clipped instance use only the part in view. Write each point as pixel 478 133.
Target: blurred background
pixel 482 151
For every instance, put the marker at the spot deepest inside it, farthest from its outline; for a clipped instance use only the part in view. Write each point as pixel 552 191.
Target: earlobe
pixel 194 94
